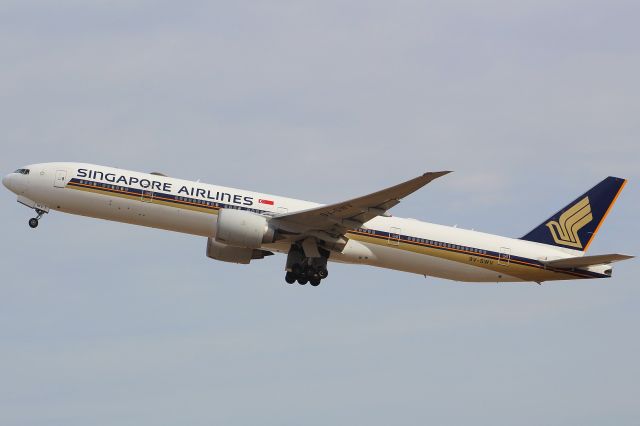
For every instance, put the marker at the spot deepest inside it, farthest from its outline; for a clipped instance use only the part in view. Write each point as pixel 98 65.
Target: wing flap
pixel 584 261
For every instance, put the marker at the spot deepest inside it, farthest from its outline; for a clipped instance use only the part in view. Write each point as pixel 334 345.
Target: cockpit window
pixel 22 171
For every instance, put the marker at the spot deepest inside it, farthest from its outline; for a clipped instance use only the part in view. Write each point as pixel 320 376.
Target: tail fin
pixel 576 224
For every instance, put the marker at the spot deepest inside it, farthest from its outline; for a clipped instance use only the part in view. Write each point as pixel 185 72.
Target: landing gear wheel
pixel 323 273
pixel 33 222
pixel 310 273
pixel 314 282
pixel 302 281
pixel 297 270
pixel 290 278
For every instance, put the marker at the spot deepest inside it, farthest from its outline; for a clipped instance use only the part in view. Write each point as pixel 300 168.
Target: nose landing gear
pixel 33 222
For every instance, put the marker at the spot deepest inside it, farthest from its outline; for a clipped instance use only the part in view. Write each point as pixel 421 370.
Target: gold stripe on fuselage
pixel 523 270
pixel 180 204
pixel 516 268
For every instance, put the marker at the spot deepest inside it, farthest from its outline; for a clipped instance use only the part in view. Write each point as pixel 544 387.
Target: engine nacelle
pixel 225 253
pixel 244 229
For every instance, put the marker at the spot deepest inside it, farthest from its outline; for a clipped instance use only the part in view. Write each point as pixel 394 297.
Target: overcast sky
pixel 530 103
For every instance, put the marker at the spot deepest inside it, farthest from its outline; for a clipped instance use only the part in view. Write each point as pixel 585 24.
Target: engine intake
pixel 239 228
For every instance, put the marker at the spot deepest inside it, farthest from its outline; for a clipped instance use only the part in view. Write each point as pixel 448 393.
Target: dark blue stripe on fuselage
pixel 472 251
pixel 214 206
pixel 161 196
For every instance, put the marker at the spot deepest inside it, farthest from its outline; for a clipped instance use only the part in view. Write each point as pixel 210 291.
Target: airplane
pixel 243 226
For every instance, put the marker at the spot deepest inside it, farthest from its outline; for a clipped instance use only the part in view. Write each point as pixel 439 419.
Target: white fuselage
pixel 192 207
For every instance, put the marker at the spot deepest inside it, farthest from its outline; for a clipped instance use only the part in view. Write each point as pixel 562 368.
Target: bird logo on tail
pixel 565 230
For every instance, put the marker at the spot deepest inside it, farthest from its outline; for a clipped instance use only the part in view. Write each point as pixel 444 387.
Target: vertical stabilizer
pixel 575 225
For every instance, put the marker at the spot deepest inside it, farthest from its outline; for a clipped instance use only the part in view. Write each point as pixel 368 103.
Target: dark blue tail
pixel 575 225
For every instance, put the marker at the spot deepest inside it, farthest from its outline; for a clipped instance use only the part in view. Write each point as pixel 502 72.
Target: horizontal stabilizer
pixel 584 261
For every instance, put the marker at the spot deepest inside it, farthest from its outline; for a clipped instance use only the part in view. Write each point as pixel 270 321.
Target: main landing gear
pixel 33 222
pixel 309 275
pixel 304 269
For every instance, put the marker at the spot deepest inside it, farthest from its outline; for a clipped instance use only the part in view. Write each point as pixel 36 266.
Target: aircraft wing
pixel 334 220
pixel 584 261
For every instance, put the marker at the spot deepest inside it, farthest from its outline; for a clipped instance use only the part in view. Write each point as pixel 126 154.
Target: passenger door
pixel 61 179
pixel 504 256
pixel 394 236
pixel 146 196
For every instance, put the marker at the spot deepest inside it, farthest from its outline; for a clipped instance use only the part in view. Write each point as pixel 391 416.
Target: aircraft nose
pixel 10 181
pixel 6 181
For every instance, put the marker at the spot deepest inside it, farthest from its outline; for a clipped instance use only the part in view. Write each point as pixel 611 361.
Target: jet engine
pixel 239 228
pixel 225 253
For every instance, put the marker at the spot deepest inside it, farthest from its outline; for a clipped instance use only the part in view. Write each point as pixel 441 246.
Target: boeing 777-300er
pixel 241 226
